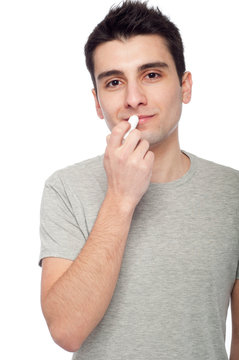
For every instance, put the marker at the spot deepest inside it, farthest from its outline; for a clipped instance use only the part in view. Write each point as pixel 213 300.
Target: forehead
pixel 128 54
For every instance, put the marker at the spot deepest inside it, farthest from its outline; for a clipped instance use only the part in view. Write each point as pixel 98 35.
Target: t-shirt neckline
pixel 181 180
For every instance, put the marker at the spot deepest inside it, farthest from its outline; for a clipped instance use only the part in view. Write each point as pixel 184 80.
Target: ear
pixel 186 87
pixel 97 105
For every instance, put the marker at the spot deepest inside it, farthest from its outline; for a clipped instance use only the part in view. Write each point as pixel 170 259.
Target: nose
pixel 134 95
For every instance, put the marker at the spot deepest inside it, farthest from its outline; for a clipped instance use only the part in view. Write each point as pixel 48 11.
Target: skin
pixel 153 91
pixel 235 322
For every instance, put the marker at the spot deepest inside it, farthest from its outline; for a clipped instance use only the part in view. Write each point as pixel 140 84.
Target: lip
pixel 144 118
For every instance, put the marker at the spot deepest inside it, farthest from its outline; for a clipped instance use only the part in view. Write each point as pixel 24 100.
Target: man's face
pixel 138 77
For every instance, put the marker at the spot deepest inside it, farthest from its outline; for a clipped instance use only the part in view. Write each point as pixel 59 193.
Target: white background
pixel 48 121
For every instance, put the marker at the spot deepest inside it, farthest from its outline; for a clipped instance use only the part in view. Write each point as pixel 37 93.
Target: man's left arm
pixel 235 322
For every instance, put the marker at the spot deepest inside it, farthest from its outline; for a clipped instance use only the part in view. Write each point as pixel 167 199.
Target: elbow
pixel 66 333
pixel 64 338
pixel 70 345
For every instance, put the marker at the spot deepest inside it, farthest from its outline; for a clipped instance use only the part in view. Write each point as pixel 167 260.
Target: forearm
pixel 78 300
pixel 234 348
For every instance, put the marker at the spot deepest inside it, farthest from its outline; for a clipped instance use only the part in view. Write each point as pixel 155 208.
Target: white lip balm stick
pixel 133 120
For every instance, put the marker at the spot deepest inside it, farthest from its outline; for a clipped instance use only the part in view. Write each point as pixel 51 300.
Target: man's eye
pixel 113 83
pixel 153 75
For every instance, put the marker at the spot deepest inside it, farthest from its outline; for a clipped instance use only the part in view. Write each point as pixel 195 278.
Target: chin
pixel 153 139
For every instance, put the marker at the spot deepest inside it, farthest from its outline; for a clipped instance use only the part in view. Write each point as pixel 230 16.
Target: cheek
pixel 109 112
pixel 110 106
pixel 105 107
pixel 172 102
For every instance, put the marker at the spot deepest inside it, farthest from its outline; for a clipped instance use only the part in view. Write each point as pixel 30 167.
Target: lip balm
pixel 133 120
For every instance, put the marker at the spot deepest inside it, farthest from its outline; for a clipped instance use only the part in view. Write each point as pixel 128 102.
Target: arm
pixel 75 295
pixel 75 302
pixel 235 322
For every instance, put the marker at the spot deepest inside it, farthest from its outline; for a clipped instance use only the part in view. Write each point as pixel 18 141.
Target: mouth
pixel 141 117
pixel 144 118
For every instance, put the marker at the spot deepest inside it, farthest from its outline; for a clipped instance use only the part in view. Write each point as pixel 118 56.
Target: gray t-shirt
pixel 179 266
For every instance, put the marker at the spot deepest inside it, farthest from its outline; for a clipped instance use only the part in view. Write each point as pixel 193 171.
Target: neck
pixel 169 163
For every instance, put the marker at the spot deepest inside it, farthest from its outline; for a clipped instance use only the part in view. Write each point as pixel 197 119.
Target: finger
pixel 141 149
pixel 118 133
pixel 132 140
pixel 149 158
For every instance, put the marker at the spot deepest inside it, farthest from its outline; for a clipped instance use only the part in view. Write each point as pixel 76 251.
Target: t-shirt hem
pixel 60 255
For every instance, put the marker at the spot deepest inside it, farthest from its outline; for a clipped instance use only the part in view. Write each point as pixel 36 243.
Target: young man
pixel 140 246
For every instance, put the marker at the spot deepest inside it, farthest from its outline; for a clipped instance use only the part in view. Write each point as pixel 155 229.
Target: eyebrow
pixel 158 64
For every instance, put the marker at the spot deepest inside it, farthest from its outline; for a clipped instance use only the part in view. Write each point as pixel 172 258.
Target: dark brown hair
pixel 133 18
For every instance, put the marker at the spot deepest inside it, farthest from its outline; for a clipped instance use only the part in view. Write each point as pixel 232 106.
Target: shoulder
pixel 83 172
pixel 216 175
pixel 216 168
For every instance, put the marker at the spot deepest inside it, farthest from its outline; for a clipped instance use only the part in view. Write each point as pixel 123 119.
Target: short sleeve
pixel 60 233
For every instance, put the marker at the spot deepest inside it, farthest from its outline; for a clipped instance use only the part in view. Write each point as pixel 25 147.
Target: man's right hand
pixel 128 165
